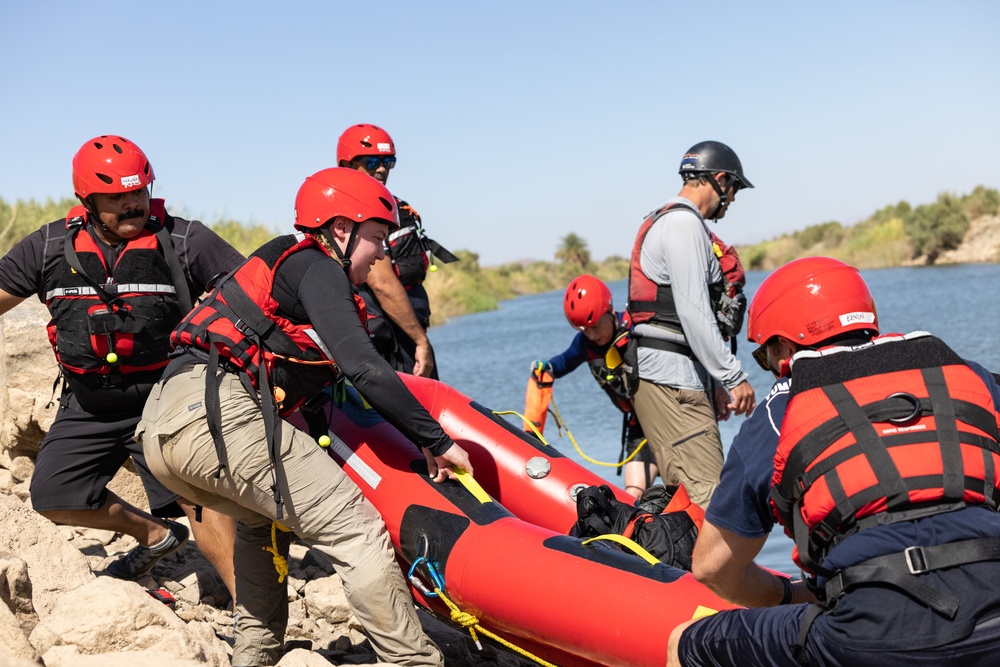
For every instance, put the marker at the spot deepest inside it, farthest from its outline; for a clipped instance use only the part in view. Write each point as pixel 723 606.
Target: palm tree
pixel 573 250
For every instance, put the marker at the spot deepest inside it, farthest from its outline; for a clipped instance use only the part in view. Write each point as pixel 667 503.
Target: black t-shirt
pixel 26 269
pixel 311 287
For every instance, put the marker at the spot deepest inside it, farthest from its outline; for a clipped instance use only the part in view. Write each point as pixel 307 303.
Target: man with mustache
pixel 117 274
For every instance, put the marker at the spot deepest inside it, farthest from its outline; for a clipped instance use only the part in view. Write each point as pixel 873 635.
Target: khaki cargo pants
pixel 322 506
pixel 683 433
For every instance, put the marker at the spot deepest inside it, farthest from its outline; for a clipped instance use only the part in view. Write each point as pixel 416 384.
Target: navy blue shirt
pixel 740 505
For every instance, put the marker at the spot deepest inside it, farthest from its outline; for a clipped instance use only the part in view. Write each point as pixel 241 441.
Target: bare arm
pixel 392 297
pixel 8 301
pixel 723 561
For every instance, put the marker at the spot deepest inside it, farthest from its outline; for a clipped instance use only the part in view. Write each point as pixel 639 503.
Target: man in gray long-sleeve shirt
pixel 689 378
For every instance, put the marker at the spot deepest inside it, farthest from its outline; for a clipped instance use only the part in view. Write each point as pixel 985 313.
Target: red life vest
pixel 240 319
pixel 889 431
pixel 649 302
pixel 127 310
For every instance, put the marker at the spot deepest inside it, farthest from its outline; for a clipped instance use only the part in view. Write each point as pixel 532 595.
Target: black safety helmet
pixel 712 157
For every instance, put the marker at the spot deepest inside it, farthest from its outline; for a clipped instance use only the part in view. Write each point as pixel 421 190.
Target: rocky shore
pixel 57 610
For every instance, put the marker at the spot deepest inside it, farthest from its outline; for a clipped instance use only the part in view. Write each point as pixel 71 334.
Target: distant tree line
pixel 892 235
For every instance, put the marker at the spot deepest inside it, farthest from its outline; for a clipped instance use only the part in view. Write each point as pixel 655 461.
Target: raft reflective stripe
pixel 357 464
pixel 141 288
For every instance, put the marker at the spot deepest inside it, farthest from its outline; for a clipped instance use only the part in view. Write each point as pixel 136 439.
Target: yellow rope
pixel 280 563
pixel 470 622
pixel 527 421
pixel 628 544
pixel 561 424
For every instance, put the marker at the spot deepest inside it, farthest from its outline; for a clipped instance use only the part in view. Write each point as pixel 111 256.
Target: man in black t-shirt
pixel 399 311
pixel 117 274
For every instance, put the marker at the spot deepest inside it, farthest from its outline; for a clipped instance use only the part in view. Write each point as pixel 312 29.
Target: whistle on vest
pixel 279 396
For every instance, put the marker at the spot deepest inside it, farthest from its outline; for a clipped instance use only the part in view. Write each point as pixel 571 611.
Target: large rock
pixel 54 567
pixel 15 590
pixel 27 372
pixel 112 616
pixel 13 640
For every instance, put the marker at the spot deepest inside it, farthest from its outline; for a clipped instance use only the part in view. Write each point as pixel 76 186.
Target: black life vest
pixel 888 431
pixel 409 248
pixel 649 302
pixel 607 367
pixel 240 320
pixel 112 321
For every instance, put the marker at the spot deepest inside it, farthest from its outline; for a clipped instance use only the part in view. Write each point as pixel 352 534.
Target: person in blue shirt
pixel 878 455
pixel 603 334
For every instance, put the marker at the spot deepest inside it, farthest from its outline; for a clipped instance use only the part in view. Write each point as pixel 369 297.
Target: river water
pixel 487 355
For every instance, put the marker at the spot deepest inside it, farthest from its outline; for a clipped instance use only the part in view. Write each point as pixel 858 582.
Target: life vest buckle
pixel 916 563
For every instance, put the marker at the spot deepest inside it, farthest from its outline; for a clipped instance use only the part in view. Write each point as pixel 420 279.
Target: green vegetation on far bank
pixel 895 235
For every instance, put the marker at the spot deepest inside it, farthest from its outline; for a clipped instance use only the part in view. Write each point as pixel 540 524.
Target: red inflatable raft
pixel 507 559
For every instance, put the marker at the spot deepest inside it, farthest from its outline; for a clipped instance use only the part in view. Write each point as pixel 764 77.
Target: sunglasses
pixel 760 356
pixel 372 162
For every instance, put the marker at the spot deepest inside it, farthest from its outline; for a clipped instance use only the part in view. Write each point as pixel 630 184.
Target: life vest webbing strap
pixel 816 441
pixel 820 468
pixel 251 320
pixel 69 252
pixel 176 270
pixel 886 472
pixel 947 428
pixel 900 570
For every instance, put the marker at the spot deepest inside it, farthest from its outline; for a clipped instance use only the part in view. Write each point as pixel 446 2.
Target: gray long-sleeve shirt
pixel 677 251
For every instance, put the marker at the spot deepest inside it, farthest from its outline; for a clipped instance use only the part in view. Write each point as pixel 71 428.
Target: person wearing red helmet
pixel 397 302
pixel 602 335
pixel 686 301
pixel 263 344
pixel 117 274
pixel 877 454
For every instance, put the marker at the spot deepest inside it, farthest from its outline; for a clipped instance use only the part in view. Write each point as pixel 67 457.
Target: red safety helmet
pixel 110 164
pixel 340 191
pixel 364 139
pixel 811 300
pixel 586 299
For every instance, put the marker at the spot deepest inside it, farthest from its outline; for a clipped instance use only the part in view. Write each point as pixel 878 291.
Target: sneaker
pixel 141 559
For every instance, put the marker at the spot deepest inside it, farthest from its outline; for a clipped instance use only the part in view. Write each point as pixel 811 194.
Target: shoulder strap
pixel 176 270
pixel 69 252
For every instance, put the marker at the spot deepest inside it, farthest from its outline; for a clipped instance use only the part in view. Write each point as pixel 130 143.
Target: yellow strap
pixel 280 564
pixel 472 485
pixel 471 623
pixel 628 544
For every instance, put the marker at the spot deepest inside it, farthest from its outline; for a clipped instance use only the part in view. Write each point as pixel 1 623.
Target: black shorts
pixel 633 438
pixel 81 454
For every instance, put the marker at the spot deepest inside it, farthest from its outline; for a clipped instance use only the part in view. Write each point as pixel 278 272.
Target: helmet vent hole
pixel 385 202
pixel 118 149
pixel 106 179
pixel 145 169
pixel 98 146
pixel 366 143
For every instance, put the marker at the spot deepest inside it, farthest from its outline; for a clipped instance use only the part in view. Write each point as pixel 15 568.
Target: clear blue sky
pixel 515 122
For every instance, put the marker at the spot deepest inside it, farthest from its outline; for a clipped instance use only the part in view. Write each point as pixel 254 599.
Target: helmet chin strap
pixel 723 197
pixel 343 255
